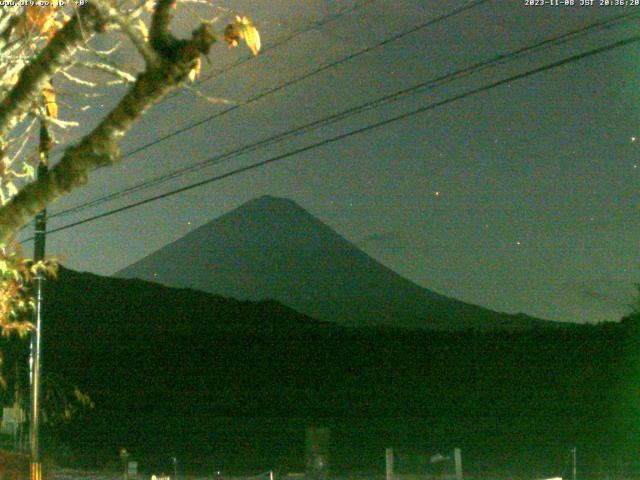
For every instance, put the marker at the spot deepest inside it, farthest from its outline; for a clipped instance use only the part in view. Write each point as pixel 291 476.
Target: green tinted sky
pixel 538 202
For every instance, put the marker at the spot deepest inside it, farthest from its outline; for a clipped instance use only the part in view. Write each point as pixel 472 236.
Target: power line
pixel 367 128
pixel 323 21
pixel 499 59
pixel 281 86
pixel 307 75
pixel 310 27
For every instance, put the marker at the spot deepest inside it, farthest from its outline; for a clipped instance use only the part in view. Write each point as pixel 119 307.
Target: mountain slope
pixel 272 248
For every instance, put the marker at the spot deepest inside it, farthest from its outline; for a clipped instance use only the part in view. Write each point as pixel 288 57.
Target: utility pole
pixel 575 466
pixel 389 463
pixel 457 455
pixel 35 360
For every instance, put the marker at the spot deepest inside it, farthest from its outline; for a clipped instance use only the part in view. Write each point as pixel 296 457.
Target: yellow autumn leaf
pixel 143 29
pixel 55 26
pixel 50 100
pixel 195 71
pixel 243 29
pixel 37 19
pixel 251 35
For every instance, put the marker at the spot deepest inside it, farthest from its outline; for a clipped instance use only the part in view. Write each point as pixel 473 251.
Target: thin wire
pixel 310 27
pixel 254 99
pixel 308 75
pixel 499 59
pixel 367 128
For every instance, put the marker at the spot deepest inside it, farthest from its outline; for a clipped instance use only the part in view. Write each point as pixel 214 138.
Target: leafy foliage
pixel 16 301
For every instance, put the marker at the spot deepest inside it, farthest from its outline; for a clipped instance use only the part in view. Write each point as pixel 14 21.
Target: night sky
pixel 522 198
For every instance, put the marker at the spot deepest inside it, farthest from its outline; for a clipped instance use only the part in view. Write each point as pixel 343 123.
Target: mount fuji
pixel 272 248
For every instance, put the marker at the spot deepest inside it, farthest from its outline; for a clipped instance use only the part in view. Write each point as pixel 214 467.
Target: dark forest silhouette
pixel 227 384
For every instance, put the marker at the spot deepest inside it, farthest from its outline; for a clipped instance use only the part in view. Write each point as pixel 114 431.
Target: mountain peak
pixel 272 248
pixel 265 214
pixel 270 202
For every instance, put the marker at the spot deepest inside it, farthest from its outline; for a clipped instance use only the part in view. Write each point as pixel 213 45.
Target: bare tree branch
pixel 36 74
pixel 159 32
pixel 110 69
pixel 149 55
pixel 100 147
